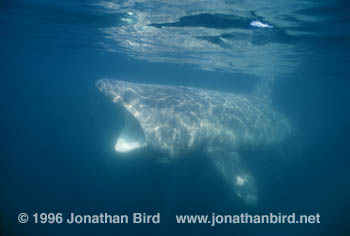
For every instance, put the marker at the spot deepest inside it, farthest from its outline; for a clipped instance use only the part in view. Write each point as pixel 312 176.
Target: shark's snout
pixel 117 90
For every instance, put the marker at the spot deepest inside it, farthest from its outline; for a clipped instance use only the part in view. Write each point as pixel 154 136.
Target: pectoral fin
pixel 236 175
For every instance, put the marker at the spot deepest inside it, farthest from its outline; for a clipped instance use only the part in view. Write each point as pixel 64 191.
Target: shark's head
pixel 132 136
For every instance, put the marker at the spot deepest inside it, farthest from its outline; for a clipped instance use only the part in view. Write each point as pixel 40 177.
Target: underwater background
pixel 58 132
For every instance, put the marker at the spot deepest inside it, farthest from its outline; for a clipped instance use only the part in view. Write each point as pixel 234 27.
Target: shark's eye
pixel 128 96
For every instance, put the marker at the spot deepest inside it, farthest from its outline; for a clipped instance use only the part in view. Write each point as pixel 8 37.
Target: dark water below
pixel 57 131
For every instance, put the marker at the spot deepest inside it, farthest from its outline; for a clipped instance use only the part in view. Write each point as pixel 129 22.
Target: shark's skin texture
pixel 177 120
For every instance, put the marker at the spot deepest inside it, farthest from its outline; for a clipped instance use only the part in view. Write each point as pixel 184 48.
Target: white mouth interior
pixel 125 145
pixel 132 136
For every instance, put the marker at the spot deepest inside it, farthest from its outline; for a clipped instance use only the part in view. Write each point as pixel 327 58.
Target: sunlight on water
pixel 244 36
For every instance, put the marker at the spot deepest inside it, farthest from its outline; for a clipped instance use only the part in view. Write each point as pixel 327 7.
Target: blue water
pixel 58 132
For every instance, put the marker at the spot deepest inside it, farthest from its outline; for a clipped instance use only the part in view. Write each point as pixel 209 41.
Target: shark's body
pixel 177 120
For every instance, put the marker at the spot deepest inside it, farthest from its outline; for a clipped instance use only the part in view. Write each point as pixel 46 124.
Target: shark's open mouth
pixel 132 136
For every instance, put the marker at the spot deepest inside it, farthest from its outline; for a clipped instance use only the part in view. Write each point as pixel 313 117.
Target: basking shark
pixel 178 120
